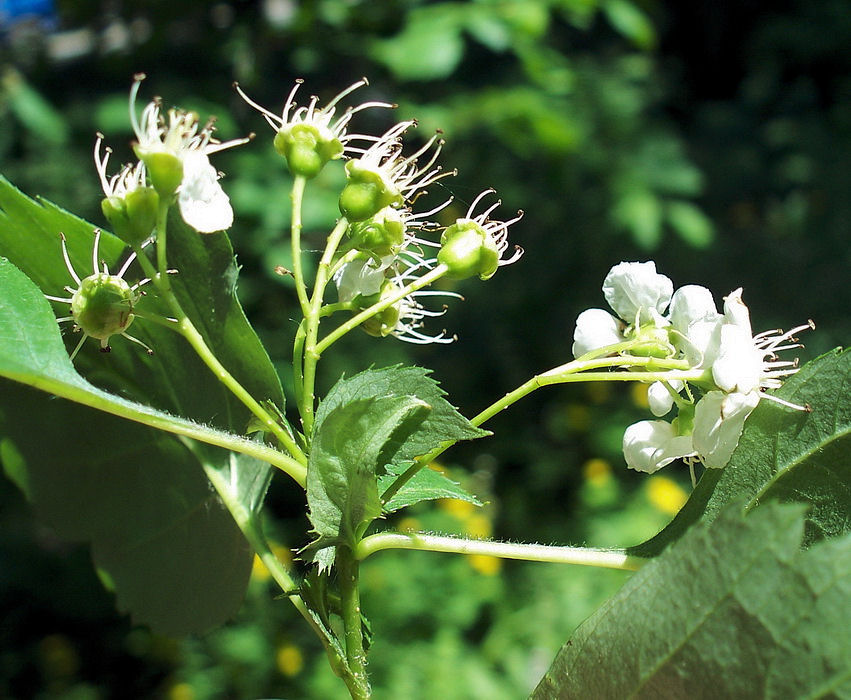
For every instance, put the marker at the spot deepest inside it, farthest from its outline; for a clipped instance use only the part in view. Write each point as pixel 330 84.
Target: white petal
pixel 358 277
pixel 633 287
pixel 595 329
pixel 736 311
pixel 718 422
pixel 660 398
pixel 739 363
pixel 701 344
pixel 649 445
pixel 203 203
pixel 692 304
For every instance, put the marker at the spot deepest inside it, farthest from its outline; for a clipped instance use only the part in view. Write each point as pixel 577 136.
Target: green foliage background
pixel 714 139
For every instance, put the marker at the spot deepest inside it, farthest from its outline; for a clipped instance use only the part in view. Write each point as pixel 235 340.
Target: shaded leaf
pixel 174 382
pixel 735 609
pixel 786 455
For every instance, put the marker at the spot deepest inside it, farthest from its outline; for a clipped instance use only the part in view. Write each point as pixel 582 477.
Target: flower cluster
pixel 388 258
pixel 709 364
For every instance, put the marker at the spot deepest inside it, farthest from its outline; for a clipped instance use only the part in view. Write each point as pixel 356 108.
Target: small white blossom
pixel 596 329
pixel 719 418
pixel 360 277
pixel 203 204
pixel 659 397
pixel 650 445
pixel 637 292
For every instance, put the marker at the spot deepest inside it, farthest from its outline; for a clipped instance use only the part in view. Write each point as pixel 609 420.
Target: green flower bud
pixel 165 171
pixel 366 193
pixel 381 235
pixel 384 322
pixel 654 342
pixel 103 305
pixel 133 216
pixel 306 149
pixel 468 250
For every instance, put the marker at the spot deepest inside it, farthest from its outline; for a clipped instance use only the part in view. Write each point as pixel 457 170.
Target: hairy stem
pixel 347 568
pixel 606 558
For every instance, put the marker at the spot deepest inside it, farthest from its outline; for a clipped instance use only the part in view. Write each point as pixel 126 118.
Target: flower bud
pixel 103 305
pixel 306 149
pixel 381 235
pixel 384 322
pixel 165 171
pixel 468 250
pixel 132 216
pixel 366 193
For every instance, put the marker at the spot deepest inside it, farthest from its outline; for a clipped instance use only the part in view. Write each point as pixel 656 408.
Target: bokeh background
pixel 713 137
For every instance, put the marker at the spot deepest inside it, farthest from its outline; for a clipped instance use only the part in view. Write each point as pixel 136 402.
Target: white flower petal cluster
pixel 737 366
pixel 202 202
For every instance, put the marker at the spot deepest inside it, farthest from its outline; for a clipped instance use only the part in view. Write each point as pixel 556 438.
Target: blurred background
pixel 712 137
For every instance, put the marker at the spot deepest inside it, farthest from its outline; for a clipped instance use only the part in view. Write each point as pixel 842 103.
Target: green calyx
pixel 306 149
pixel 468 250
pixel 165 171
pixel 382 234
pixel 385 321
pixel 366 193
pixel 103 305
pixel 134 215
pixel 652 342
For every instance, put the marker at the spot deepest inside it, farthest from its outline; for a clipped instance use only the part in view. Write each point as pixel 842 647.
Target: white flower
pixel 718 421
pixel 360 277
pixel 650 445
pixel 128 179
pixel 596 329
pixel 659 397
pixel 747 363
pixel 203 203
pixel 637 292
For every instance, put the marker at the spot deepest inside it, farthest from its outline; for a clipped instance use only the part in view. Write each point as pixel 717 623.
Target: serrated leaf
pixel 735 609
pixel 786 455
pixel 426 485
pixel 174 382
pixel 444 423
pixel 351 446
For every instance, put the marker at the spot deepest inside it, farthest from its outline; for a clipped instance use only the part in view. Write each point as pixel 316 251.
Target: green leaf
pixel 693 226
pixel 630 21
pixel 141 388
pixel 351 446
pixel 426 485
pixel 786 455
pixel 443 424
pixel 429 47
pixel 733 610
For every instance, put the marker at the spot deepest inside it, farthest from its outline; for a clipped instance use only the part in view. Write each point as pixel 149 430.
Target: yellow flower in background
pixel 259 572
pixel 181 691
pixel 666 494
pixel 457 508
pixel 597 471
pixel 639 394
pixel 485 564
pixel 289 660
pixel 409 525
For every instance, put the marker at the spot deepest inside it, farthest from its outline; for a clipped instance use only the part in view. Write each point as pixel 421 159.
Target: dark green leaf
pixel 352 444
pixel 735 609
pixel 173 381
pixel 786 455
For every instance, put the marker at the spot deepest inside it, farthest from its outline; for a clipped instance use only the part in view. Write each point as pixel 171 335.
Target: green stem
pixel 427 279
pixel 347 571
pixel 574 371
pixel 605 558
pixel 311 356
pixel 249 526
pixel 297 197
pixel 187 329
